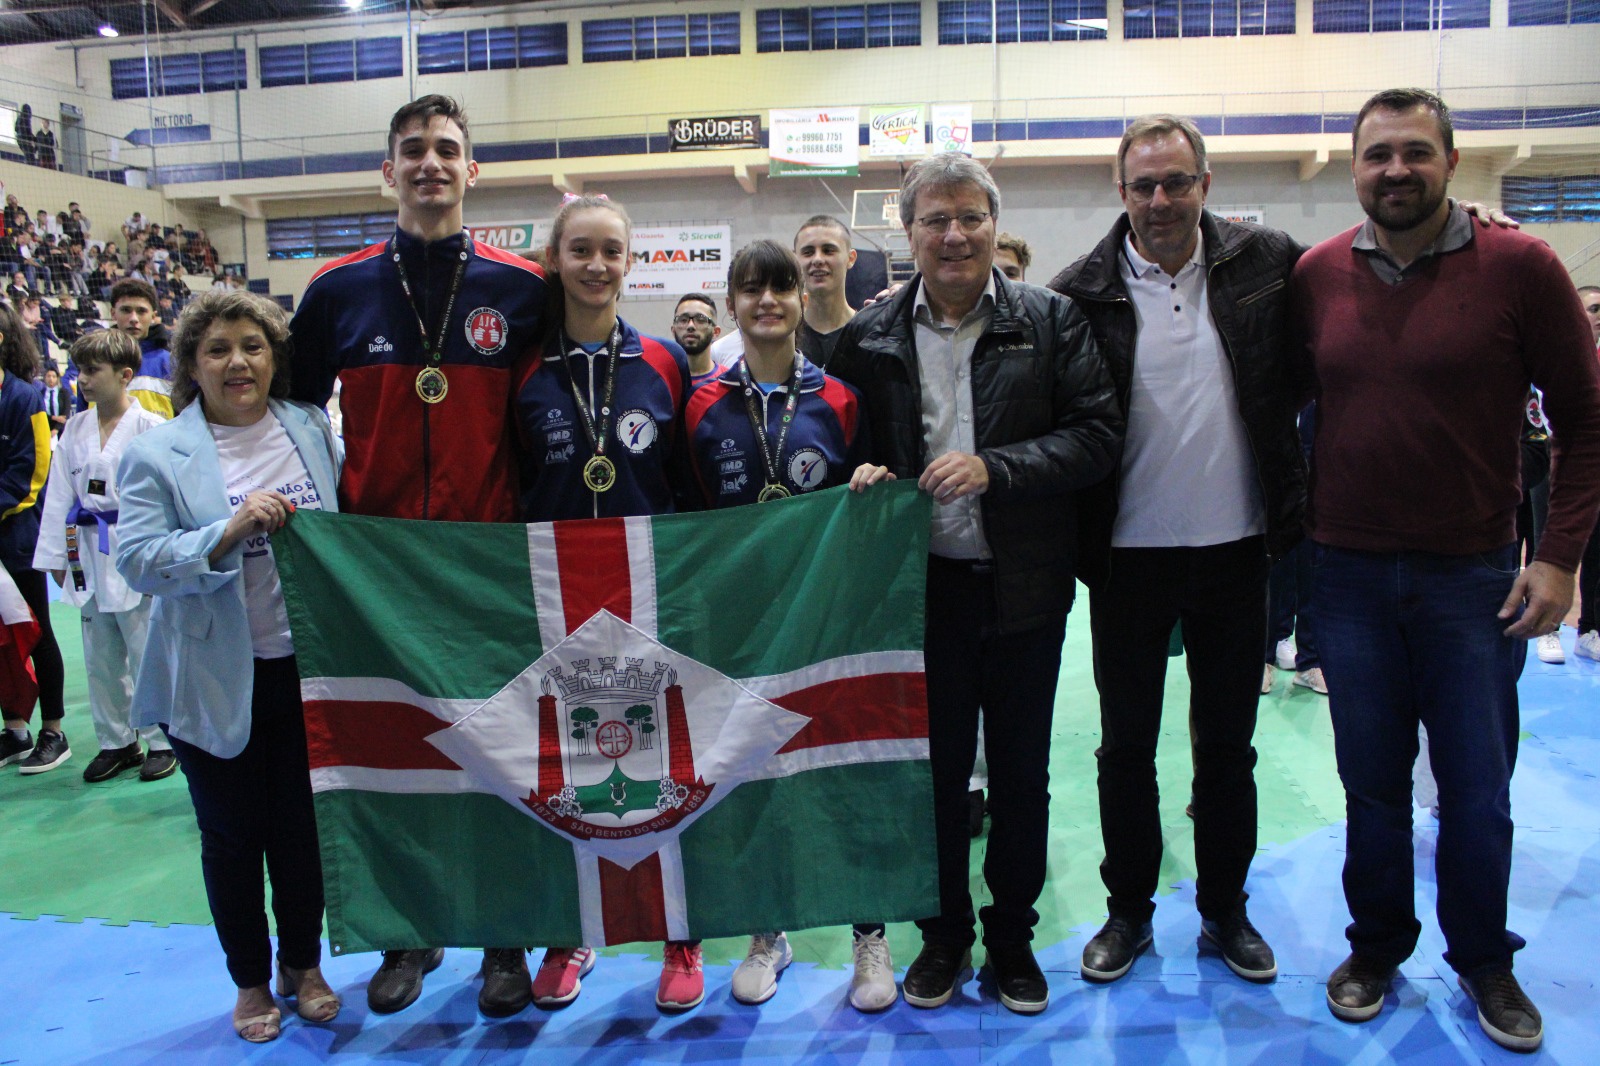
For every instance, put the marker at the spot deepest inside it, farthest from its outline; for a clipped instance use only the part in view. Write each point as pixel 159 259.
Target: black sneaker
pixel 1504 1010
pixel 933 975
pixel 1357 987
pixel 1017 978
pixel 1243 949
pixel 1110 952
pixel 398 982
pixel 161 762
pixel 112 761
pixel 49 753
pixel 14 750
pixel 507 984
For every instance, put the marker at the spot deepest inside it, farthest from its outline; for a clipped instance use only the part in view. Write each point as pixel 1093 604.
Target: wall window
pixel 1575 198
pixel 325 237
pixel 494 48
pixel 818 29
pixel 969 21
pixel 175 75
pixel 661 37
pixel 1208 18
pixel 1554 12
pixel 328 61
pixel 1378 16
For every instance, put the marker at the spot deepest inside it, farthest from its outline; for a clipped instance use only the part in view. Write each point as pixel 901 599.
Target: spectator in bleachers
pixel 57 397
pixel 32 264
pixel 67 319
pixel 105 276
pixel 31 310
pixel 16 216
pixel 45 145
pixel 178 286
pixel 18 290
pixel 78 268
pixel 24 133
pixel 70 227
pixel 132 227
pixel 166 311
pixel 43 224
pixel 202 257
pixel 108 253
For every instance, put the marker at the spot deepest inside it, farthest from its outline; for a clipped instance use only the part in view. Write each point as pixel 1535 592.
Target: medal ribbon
pixel 432 348
pixel 758 422
pixel 597 434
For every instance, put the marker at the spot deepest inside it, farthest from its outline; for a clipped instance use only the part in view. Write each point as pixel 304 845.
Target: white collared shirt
pixel 944 366
pixel 1188 474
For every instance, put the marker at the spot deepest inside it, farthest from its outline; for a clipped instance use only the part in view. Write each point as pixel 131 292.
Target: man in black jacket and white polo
pixel 993 395
pixel 1192 315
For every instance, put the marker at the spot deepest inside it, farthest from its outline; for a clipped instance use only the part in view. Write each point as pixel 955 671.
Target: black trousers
pixel 1219 592
pixel 1013 678
pixel 257 806
pixel 47 653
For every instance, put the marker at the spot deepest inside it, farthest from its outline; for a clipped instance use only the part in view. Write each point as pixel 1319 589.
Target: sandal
pixel 271 1026
pixel 314 1009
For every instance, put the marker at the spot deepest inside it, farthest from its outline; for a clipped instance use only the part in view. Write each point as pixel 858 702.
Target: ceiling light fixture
pixel 108 30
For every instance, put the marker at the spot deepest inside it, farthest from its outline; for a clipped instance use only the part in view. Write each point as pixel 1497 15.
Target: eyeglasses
pixel 692 320
pixel 968 222
pixel 1174 185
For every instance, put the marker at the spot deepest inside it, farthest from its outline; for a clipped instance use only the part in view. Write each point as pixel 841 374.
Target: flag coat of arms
pixel 616 730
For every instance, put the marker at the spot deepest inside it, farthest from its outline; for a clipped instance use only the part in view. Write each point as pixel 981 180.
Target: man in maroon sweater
pixel 1425 333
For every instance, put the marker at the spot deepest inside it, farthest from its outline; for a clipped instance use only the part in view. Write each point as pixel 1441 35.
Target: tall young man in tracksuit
pixel 420 333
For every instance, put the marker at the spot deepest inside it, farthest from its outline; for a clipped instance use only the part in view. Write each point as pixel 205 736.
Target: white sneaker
pixel 1549 650
pixel 1266 681
pixel 1286 650
pixel 756 979
pixel 1588 645
pixel 872 988
pixel 1312 679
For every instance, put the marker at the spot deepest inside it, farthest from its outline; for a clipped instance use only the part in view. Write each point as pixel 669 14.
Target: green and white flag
pixel 617 730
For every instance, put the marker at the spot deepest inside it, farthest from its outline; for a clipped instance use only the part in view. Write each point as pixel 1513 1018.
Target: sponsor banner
pixel 1241 214
pixel 669 261
pixel 815 144
pixel 714 134
pixel 517 237
pixel 952 128
pixel 897 133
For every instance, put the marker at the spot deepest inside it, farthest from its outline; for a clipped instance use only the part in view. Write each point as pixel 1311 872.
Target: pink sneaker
pixel 682 984
pixel 560 976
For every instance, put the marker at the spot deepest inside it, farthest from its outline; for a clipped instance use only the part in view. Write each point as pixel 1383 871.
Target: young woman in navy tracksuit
pixel 599 412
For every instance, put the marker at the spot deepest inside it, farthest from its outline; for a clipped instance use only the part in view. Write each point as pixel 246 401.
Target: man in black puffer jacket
pixel 1192 314
pixel 993 395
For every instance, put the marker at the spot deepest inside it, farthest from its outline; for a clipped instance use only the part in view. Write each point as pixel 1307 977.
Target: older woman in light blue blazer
pixel 201 496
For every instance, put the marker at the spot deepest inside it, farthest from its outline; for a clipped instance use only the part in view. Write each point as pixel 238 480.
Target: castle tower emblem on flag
pixel 614 742
pixel 617 741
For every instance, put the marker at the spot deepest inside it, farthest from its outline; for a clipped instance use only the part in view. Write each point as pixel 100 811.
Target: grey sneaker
pixel 1505 1012
pixel 872 987
pixel 756 978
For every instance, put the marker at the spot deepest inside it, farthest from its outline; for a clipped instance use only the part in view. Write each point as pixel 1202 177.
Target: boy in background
pixel 77 543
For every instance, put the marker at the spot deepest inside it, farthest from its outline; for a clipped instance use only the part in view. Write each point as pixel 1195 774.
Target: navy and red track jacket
pixel 450 461
pixel 826 441
pixel 645 442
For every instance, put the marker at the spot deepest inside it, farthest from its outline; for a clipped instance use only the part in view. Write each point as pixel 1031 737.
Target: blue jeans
pixel 1407 637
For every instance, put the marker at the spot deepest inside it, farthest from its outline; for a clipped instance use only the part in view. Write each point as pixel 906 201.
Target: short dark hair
pixel 425 109
pixel 1406 100
pixel 230 305
pixel 701 297
pixel 134 287
pixel 766 263
pixel 106 347
pixel 824 220
pixel 1018 247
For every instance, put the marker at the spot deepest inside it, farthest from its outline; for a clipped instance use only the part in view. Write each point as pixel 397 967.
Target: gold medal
pixel 773 492
pixel 432 384
pixel 599 474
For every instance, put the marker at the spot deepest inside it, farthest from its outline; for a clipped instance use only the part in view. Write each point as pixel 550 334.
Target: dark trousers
pixel 1408 637
pixel 1219 593
pixel 1589 585
pixel 47 653
pixel 257 806
pixel 1291 609
pixel 1013 678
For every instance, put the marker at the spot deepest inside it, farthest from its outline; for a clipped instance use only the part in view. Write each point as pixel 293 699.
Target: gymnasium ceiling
pixel 29 21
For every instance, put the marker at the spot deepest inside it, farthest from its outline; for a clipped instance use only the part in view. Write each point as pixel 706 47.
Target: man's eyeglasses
pixel 968 222
pixel 692 320
pixel 1174 185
